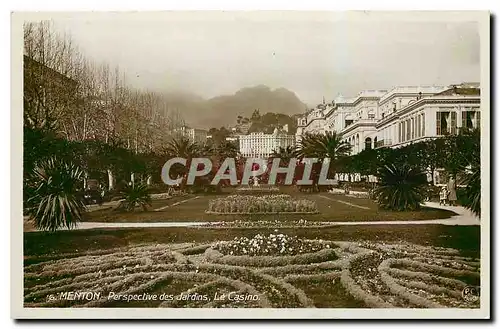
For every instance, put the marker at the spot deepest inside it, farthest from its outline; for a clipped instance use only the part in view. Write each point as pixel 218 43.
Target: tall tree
pixel 323 146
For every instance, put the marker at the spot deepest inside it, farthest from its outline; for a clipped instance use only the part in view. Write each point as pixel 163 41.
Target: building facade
pixel 260 145
pixel 396 117
pixel 198 136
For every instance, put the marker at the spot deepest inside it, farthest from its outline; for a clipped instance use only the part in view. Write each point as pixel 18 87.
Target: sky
pixel 315 55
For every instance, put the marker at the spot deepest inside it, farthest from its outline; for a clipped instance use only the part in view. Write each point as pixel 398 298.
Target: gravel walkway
pixel 463 217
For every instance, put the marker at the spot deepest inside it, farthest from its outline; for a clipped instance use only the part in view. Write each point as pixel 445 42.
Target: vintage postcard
pixel 250 165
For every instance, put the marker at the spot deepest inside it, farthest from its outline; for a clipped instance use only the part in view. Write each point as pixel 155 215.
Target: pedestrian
pixel 443 196
pixel 452 191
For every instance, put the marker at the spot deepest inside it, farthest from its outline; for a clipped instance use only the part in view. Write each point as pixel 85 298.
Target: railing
pixel 383 142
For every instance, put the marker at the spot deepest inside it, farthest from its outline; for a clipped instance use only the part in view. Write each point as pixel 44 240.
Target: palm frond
pixel 135 196
pixel 400 188
pixel 55 202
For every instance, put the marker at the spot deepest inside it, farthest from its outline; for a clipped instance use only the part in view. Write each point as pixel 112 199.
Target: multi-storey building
pixel 260 145
pixel 429 116
pixel 198 136
pixel 394 118
pixel 398 117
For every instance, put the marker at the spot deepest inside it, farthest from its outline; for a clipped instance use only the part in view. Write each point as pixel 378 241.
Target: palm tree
pixel 55 201
pixel 134 196
pixel 206 150
pixel 400 187
pixel 227 149
pixel 181 148
pixel 324 146
pixel 284 153
pixel 473 190
pixel 321 146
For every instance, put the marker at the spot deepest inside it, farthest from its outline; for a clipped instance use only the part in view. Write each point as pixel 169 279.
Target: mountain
pixel 223 110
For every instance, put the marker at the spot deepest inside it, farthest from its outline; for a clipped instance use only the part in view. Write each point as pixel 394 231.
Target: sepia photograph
pixel 250 164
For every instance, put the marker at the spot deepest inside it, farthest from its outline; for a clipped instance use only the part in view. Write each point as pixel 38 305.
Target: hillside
pixel 223 110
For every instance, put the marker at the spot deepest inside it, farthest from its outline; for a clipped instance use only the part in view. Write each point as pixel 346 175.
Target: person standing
pixel 443 195
pixel 452 191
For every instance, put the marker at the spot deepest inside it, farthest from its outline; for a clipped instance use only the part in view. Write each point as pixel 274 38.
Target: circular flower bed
pixel 247 204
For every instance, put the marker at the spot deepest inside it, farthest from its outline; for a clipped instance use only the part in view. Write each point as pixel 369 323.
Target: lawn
pixel 464 238
pixel 353 267
pixel 332 208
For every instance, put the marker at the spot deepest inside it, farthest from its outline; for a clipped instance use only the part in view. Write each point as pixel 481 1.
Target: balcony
pixel 383 143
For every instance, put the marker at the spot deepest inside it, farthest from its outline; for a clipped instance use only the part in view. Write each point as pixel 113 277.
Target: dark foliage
pixel 55 201
pixel 400 188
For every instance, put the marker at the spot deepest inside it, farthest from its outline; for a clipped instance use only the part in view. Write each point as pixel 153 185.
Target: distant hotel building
pixel 260 145
pixel 198 136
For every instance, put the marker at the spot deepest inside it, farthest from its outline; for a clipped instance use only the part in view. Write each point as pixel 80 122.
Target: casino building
pixel 396 117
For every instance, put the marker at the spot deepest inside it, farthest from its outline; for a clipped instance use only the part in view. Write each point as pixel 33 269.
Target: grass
pixel 332 208
pixel 50 245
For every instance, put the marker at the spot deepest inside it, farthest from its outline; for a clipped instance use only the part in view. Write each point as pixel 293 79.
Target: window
pixel 453 129
pixel 470 119
pixel 399 132
pixel 439 123
pixel 368 143
pixel 423 125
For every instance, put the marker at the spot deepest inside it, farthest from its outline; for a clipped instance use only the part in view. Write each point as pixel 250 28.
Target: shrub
pixel 55 201
pixel 400 188
pixel 473 192
pixel 135 196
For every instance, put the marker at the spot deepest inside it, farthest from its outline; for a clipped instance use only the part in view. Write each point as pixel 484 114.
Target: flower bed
pixel 270 204
pixel 258 188
pixel 350 193
pixel 377 274
pixel 273 244
pixel 165 196
pixel 266 223
pixel 271 250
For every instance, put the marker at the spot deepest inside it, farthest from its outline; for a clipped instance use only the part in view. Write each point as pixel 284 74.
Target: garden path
pixel 463 217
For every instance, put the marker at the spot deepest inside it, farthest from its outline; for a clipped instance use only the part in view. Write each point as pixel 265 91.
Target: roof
pixel 459 90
